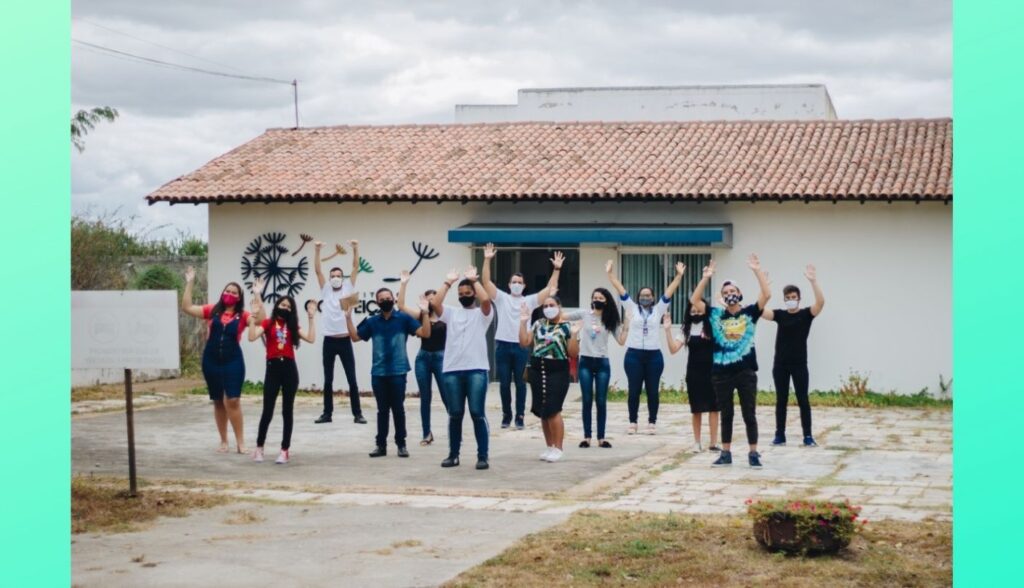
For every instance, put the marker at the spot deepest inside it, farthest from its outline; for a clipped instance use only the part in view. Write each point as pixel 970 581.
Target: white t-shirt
pixel 332 321
pixel 645 326
pixel 509 308
pixel 466 345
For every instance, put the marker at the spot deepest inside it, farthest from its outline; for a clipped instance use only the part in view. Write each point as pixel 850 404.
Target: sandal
pixel 427 440
pixel 605 444
pixel 223 448
pixel 585 443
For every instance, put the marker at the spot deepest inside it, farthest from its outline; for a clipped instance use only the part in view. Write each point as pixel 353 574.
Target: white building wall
pixel 668 103
pixel 885 270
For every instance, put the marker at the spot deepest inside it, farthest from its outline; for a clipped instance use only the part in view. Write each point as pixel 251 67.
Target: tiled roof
pixel 804 160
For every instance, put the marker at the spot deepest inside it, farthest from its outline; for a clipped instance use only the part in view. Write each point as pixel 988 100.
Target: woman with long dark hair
pixel 696 337
pixel 597 325
pixel 281 335
pixel 644 362
pixel 430 358
pixel 552 341
pixel 223 364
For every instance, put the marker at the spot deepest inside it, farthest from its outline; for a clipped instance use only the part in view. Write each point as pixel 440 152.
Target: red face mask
pixel 229 299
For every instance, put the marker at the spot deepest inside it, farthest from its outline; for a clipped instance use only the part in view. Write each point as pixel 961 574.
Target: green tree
pixel 85 120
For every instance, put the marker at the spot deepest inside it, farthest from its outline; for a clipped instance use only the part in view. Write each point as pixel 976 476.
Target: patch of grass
pixel 102 504
pixel 613 548
pixel 243 517
pixel 672 395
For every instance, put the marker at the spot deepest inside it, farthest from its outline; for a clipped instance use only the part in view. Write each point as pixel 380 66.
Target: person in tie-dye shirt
pixel 734 359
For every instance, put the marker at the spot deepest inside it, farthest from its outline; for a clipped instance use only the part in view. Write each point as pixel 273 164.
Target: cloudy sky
pixel 412 61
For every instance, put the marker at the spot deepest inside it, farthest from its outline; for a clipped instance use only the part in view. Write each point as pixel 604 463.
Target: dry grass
pixel 243 517
pixel 619 549
pixel 102 504
pixel 172 386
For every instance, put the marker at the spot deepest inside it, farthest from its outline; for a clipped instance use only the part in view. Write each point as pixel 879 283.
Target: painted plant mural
pixel 283 275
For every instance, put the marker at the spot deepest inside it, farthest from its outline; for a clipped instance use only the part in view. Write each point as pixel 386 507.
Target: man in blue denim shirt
pixel 389 331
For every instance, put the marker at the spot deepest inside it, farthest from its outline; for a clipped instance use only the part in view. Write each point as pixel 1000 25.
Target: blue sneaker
pixel 809 442
pixel 780 439
pixel 724 459
pixel 754 458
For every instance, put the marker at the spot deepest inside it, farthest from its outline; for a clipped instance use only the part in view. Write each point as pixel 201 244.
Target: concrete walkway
pixel 896 463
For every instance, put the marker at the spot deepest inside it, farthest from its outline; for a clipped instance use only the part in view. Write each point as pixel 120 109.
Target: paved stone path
pixel 896 463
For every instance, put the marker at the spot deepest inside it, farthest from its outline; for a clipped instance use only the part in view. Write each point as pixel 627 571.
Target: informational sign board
pixel 130 329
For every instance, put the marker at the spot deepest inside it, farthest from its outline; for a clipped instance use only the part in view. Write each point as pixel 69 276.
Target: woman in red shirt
pixel 281 334
pixel 223 365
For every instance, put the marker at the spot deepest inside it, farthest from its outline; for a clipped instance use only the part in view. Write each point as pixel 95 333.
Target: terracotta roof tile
pixel 806 160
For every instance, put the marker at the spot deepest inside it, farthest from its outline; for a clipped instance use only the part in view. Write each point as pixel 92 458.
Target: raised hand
pixel 451 276
pixel 680 268
pixel 609 266
pixel 404 277
pixel 558 260
pixel 318 245
pixel 353 243
pixel 489 251
pixel 424 304
pixel 666 320
pixel 524 313
pixel 753 262
pixel 709 269
pixel 257 285
pixel 470 273
pixel 190 274
pixel 810 273
pixel 311 308
pixel 575 328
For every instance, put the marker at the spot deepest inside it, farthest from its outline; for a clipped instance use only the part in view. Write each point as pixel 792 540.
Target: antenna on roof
pixel 295 88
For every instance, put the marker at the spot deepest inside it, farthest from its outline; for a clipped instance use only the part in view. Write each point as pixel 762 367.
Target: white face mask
pixel 516 289
pixel 336 283
pixel 792 304
pixel 551 312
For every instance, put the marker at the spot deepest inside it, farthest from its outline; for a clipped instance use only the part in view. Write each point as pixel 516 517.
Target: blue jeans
pixel 643 371
pixel 510 360
pixel 458 387
pixel 389 391
pixel 594 371
pixel 428 363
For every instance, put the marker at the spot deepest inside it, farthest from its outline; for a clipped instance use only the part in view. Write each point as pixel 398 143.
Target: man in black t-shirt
pixel 791 355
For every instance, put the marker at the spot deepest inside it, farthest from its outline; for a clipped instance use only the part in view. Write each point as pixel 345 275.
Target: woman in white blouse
pixel 644 362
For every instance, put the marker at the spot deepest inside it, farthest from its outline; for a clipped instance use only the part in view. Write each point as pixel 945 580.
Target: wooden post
pixel 132 487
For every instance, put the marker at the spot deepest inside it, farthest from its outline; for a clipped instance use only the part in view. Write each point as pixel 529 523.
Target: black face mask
pixel 467 301
pixel 597 304
pixel 386 305
pixel 283 313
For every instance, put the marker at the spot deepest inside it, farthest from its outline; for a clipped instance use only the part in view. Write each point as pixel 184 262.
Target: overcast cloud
pixel 412 61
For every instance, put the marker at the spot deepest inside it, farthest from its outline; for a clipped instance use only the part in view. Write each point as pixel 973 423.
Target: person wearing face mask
pixel 644 362
pixel 281 334
pixel 696 337
pixel 597 325
pixel 734 360
pixel 429 361
pixel 791 355
pixel 509 357
pixel 223 364
pixel 465 365
pixel 551 341
pixel 389 330
pixel 337 294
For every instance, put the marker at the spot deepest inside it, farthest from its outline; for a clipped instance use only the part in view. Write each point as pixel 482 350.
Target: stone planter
pixel 780 534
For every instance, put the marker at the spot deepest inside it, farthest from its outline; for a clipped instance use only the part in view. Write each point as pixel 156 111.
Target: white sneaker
pixel 257 455
pixel 696 448
pixel 544 454
pixel 555 455
pixel 632 429
pixel 282 458
pixel 650 428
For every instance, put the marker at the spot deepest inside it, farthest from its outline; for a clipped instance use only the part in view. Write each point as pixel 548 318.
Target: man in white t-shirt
pixel 510 358
pixel 337 294
pixel 465 365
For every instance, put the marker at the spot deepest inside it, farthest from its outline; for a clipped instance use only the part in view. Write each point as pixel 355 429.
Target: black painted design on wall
pixel 422 251
pixel 265 258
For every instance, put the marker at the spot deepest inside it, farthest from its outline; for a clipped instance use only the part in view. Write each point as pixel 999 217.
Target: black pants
pixel 389 391
pixel 282 375
pixel 782 372
pixel 745 383
pixel 340 347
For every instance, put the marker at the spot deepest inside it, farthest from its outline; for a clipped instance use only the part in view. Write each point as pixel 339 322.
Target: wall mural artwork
pixel 422 251
pixel 265 258
pixel 305 239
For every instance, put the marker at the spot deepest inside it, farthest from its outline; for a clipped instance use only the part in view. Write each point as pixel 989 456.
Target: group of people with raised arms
pixel 535 342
